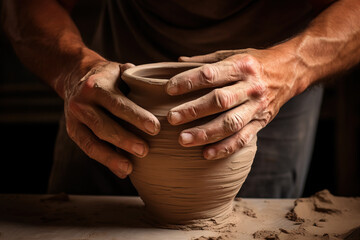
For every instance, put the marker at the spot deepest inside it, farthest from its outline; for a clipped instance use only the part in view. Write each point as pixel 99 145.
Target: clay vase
pixel 177 185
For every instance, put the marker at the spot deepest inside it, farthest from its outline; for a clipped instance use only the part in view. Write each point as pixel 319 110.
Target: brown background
pixel 29 113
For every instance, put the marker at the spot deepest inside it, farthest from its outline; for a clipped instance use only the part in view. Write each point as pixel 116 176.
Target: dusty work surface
pixel 72 217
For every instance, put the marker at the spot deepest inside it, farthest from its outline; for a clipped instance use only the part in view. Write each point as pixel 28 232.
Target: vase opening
pixel 161 73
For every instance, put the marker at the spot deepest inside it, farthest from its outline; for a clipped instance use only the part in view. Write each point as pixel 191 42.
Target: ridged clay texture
pixel 177 185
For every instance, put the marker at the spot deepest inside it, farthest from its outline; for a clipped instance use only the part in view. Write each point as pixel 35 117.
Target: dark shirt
pixel 142 31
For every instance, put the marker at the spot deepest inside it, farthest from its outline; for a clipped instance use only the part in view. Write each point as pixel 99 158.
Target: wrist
pixel 299 75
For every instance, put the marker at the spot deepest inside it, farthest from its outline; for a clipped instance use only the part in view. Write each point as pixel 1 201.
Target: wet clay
pixel 322 216
pixel 325 215
pixel 179 187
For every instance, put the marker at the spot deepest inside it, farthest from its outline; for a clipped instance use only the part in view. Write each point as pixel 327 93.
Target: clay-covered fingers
pixel 218 100
pixel 232 69
pixel 97 103
pixel 125 109
pixel 108 130
pixel 225 125
pixel 97 149
pixel 233 143
pixel 102 90
pixel 206 76
pixel 94 110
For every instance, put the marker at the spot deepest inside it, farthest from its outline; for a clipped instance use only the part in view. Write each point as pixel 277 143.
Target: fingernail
pixel 186 138
pixel 150 126
pixel 139 149
pixel 124 167
pixel 175 117
pixel 210 154
pixel 172 88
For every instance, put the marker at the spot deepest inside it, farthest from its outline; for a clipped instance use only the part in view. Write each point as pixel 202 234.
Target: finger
pixel 216 101
pixel 221 127
pixel 125 66
pixel 97 149
pixel 100 88
pixel 211 57
pixel 127 110
pixel 233 143
pixel 107 129
pixel 206 76
pixel 120 106
pixel 207 58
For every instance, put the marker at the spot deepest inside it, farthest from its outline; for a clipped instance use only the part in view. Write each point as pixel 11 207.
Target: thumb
pixel 125 66
pixel 213 57
pixel 207 58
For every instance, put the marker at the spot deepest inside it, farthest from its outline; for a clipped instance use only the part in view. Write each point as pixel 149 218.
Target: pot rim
pixel 130 73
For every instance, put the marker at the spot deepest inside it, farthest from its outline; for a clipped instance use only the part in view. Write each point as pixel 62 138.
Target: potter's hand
pixel 251 86
pixel 92 106
pixel 49 43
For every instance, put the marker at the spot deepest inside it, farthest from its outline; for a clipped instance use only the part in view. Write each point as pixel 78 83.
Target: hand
pixel 250 87
pixel 92 106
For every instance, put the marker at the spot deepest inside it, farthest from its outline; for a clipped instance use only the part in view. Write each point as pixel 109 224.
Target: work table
pixel 75 217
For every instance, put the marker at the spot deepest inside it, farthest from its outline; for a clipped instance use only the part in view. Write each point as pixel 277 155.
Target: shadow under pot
pixel 178 186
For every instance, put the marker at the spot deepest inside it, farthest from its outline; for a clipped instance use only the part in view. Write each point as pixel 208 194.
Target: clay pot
pixel 177 185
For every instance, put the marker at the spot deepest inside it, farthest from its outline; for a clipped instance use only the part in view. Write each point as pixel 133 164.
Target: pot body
pixel 177 185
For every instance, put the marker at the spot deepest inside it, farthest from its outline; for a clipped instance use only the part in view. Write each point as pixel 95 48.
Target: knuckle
pixel 98 123
pixel 129 111
pixel 207 73
pixel 92 119
pixel 242 140
pixel 223 98
pixel 229 149
pixel 192 110
pixel 226 151
pixel 188 84
pixel 258 90
pixel 121 141
pixel 248 64
pixel 250 61
pixel 88 145
pixel 202 136
pixel 265 119
pixel 90 83
pixel 233 123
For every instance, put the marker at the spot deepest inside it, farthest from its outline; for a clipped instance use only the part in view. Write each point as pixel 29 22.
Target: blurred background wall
pixel 30 110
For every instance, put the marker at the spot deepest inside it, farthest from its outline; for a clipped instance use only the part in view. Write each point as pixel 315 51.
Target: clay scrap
pixel 322 216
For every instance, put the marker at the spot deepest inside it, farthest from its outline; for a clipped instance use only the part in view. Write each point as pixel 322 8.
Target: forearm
pixel 47 41
pixel 331 44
